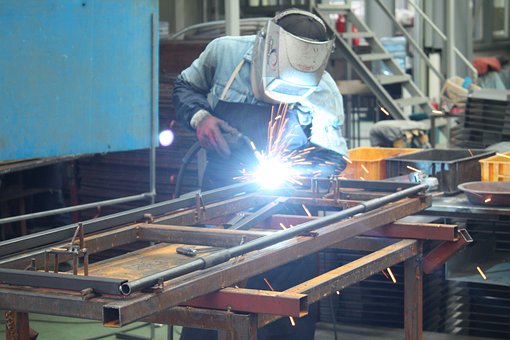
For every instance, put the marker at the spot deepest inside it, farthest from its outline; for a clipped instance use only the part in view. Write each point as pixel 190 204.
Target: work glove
pixel 210 132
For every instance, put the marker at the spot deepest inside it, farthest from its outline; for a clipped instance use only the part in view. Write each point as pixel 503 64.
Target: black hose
pixel 192 151
pixel 259 243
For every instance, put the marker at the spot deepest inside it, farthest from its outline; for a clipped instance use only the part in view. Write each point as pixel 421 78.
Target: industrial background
pixel 86 99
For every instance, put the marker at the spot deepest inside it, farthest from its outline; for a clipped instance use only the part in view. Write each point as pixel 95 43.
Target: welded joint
pixel 199 208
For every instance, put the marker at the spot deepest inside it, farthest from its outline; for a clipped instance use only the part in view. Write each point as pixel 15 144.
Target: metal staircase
pixel 412 99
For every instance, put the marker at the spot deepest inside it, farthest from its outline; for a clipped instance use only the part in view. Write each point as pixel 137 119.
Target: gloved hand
pixel 210 134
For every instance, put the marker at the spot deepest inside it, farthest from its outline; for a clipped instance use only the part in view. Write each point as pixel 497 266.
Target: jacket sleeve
pixel 188 101
pixel 194 84
pixel 325 110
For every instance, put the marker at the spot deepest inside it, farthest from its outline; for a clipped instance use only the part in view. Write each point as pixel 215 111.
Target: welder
pixel 236 81
pixel 232 87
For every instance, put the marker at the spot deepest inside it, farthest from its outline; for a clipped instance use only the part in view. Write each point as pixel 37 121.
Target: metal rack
pixel 156 281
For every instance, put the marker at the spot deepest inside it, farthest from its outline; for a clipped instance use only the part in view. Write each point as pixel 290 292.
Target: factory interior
pixel 152 184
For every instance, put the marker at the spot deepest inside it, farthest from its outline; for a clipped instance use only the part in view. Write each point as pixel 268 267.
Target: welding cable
pixel 225 255
pixel 192 151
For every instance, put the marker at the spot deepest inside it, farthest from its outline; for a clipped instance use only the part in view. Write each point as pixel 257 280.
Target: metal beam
pixel 100 285
pixel 353 272
pixel 254 301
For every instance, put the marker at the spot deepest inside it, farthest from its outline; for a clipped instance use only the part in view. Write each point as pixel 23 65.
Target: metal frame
pixel 160 295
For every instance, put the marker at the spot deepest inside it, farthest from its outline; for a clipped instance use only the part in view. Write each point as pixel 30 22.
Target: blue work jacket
pixel 200 87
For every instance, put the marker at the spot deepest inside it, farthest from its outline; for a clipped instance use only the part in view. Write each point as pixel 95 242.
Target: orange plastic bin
pixel 369 162
pixel 496 168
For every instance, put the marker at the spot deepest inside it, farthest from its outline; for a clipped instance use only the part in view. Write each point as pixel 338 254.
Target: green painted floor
pixel 56 328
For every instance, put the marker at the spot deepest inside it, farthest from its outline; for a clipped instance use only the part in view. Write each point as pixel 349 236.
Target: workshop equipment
pixel 450 166
pixel 487 193
pixel 369 162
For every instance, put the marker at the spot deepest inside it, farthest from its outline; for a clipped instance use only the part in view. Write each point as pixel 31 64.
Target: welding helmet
pixel 289 57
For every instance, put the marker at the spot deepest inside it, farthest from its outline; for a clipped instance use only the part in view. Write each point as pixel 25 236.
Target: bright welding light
pixel 272 173
pixel 166 137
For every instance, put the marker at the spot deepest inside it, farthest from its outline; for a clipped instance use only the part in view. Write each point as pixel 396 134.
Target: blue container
pixel 77 77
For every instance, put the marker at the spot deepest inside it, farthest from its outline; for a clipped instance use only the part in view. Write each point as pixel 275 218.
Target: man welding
pixel 232 88
pixel 236 82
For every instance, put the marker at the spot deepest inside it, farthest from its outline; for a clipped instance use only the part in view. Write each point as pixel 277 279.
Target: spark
pixel 306 210
pixel 364 168
pixel 391 275
pixel 481 272
pixel 278 165
pixel 470 152
pixel 283 226
pixel 413 169
pixel 347 159
pixel 487 200
pixel 362 178
pixel 437 112
pixel 384 111
pixel 337 292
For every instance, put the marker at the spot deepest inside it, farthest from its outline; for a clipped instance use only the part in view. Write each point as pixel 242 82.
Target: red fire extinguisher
pixel 340 27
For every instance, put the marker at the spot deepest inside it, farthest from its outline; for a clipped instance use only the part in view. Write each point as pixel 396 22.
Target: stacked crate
pixel 486 120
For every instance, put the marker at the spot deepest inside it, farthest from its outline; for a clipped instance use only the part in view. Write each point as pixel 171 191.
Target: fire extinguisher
pixel 340 23
pixel 340 27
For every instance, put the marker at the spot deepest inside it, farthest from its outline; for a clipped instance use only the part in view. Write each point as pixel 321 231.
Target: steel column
pixel 413 298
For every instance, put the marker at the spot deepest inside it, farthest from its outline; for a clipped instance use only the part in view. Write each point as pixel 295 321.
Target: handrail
pixel 411 40
pixel 444 38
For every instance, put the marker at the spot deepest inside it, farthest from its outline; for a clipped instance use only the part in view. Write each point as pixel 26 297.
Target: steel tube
pixel 226 254
pixel 129 216
pixel 74 208
pixel 100 285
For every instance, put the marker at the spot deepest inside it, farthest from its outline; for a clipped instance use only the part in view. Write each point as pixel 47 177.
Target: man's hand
pixel 210 135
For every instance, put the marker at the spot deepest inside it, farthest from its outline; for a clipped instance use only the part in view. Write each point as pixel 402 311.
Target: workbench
pixel 242 235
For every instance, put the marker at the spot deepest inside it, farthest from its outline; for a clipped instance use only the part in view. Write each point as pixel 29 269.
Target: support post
pixel 16 326
pixel 413 297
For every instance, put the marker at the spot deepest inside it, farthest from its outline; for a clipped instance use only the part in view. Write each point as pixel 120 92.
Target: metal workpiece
pixel 60 234
pixel 99 285
pixel 150 283
pixel 226 254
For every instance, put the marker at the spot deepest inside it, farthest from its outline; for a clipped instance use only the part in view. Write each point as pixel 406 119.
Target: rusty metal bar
pixel 197 236
pixel 419 231
pixel 240 326
pixel 53 303
pixel 226 254
pixel 95 244
pixel 254 301
pixel 177 291
pixel 102 223
pixel 423 231
pixel 100 285
pixel 353 272
pixel 440 254
pixel 413 298
pixel 213 210
pixel 260 215
pixel 16 325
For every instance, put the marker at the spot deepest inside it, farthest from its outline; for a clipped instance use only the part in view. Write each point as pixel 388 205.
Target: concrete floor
pixel 56 328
